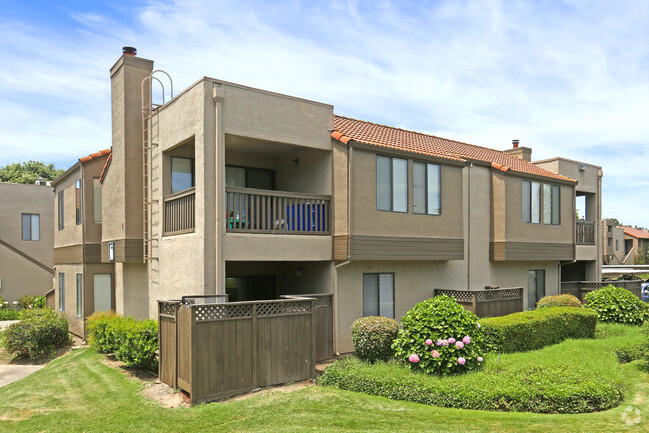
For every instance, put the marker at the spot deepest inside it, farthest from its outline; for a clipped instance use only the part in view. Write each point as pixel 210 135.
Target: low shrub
pixel 31 301
pixel 40 331
pixel 9 314
pixel 531 330
pixel 617 305
pixel 438 336
pixel 559 301
pixel 133 342
pixel 373 337
pixel 631 353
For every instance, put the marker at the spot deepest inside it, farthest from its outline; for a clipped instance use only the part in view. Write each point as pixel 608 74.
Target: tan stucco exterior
pixel 25 265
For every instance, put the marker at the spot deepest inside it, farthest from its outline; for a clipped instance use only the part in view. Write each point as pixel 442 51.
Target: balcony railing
pixel 179 213
pixel 585 232
pixel 261 211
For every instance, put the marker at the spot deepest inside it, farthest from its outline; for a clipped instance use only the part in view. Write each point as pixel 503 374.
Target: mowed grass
pixel 78 393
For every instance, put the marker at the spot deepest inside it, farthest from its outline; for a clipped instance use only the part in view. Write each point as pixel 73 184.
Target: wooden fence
pixel 488 302
pixel 580 289
pixel 214 351
pixel 324 324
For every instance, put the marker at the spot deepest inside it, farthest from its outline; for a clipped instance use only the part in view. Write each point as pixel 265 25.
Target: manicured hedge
pixel 373 337
pixel 134 342
pixel 558 301
pixel 617 305
pixel 531 330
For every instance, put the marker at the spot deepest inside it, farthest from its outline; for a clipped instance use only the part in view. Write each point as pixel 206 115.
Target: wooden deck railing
pixel 488 302
pixel 262 211
pixel 585 232
pixel 179 212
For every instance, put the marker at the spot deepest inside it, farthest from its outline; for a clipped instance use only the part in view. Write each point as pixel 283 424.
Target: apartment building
pixel 636 243
pixel 225 188
pixel 613 246
pixel 26 239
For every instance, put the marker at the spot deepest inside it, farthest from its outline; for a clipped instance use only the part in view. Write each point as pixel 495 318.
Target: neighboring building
pixel 26 239
pixel 83 284
pixel 587 265
pixel 636 242
pixel 226 188
pixel 613 245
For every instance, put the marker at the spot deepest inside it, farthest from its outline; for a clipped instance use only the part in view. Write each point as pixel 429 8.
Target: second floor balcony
pixel 585 232
pixel 250 210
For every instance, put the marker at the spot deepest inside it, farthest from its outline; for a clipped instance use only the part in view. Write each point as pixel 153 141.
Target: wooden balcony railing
pixel 179 212
pixel 585 232
pixel 262 211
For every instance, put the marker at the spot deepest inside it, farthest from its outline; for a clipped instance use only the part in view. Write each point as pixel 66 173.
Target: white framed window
pixel 551 204
pixel 426 186
pixel 96 197
pixel 79 295
pixel 77 200
pixel 31 227
pixel 391 184
pixel 531 202
pixel 61 291
pixel 60 204
pixel 378 294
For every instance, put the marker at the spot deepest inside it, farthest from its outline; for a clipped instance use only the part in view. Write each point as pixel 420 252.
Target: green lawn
pixel 78 393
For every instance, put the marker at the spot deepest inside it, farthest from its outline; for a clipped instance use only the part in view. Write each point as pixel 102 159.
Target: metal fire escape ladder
pixel 151 169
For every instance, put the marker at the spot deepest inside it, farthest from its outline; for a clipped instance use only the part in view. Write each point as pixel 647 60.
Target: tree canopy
pixel 28 172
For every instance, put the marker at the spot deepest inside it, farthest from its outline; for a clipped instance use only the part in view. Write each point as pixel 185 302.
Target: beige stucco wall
pixel 131 287
pixel 16 199
pixel 19 276
pixel 70 310
pixel 91 171
pixel 415 281
pixel 268 247
pixel 367 220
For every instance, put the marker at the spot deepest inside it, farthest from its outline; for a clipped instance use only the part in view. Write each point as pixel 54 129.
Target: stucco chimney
pixel 524 153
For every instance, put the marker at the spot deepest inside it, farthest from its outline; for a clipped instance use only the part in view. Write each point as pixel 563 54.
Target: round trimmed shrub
pixel 373 337
pixel 617 305
pixel 40 332
pixel 559 301
pixel 438 336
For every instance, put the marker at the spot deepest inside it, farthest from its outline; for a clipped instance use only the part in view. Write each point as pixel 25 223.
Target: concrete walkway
pixel 10 373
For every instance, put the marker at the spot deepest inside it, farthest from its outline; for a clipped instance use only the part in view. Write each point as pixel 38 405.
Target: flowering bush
pixel 458 340
pixel 559 301
pixel 618 305
pixel 373 337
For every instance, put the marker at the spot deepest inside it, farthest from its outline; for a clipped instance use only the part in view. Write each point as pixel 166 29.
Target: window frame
pixel 61 210
pixel 247 173
pixel 171 170
pixel 391 183
pixel 31 227
pixel 378 292
pixel 529 219
pixel 426 187
pixel 552 188
pixel 77 201
pixel 536 287
pixel 79 294
pixel 96 200
pixel 61 291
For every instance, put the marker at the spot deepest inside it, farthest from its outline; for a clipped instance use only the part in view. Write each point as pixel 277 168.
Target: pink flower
pixel 414 358
pixel 461 360
pixel 459 345
pixel 478 325
pixel 451 340
pixel 480 359
pixel 435 354
pixel 439 343
pixel 466 339
pixel 429 342
pixel 444 343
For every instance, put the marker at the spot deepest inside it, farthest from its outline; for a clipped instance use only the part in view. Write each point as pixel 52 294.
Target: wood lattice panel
pixel 221 311
pixel 291 307
pixel 168 309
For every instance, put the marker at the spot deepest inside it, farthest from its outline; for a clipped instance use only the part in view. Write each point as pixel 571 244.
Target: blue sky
pixel 567 78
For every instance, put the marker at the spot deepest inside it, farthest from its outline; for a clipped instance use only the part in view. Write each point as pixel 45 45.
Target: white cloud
pixel 566 78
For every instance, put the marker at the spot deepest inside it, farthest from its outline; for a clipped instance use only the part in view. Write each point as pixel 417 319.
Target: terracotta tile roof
pixel 94 156
pixel 346 129
pixel 636 233
pixel 103 170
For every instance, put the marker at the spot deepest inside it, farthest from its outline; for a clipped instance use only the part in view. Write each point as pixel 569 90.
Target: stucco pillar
pixel 218 95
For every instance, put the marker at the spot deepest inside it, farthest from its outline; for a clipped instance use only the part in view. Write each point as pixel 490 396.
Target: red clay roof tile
pixel 94 156
pixel 636 233
pixel 103 170
pixel 346 129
